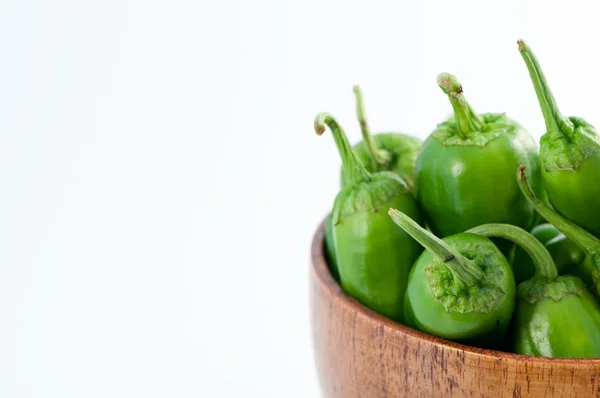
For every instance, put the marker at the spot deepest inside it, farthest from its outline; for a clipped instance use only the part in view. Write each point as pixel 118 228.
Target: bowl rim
pixel 330 285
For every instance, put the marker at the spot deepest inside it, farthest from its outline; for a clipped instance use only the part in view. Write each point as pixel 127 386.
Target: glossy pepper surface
pixel 391 151
pixel 373 255
pixel 585 271
pixel 460 288
pixel 465 172
pixel 544 233
pixel 589 269
pixel 570 155
pixel 555 316
pixel 560 319
pixel 565 253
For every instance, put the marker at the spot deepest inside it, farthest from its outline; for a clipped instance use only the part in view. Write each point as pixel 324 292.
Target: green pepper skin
pixel 584 270
pixel 589 269
pixel 330 252
pixel 555 316
pixel 426 313
pixel 567 328
pixel 574 192
pixel 570 155
pixel 375 256
pixel 460 188
pixel 465 171
pixel 391 151
pixel 461 288
pixel 564 252
pixel 523 268
pixel 545 232
pixel 403 150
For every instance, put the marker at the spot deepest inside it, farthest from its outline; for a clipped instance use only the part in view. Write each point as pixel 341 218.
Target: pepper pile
pixel 429 235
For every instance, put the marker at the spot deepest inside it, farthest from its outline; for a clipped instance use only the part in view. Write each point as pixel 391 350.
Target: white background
pixel 160 179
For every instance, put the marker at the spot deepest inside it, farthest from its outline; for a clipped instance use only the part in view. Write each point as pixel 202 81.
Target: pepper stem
pixel 556 124
pixel 381 156
pixel 350 163
pixel 465 271
pixel 467 120
pixel 587 242
pixel 541 258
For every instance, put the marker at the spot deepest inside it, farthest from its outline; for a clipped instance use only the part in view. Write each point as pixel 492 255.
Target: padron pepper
pixel 544 233
pixel 465 172
pixel 564 252
pixel 460 288
pixel 389 151
pixel 555 316
pixel 330 253
pixel 570 155
pixel 373 256
pixel 589 269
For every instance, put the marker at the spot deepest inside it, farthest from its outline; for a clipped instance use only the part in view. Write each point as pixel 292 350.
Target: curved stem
pixel 556 123
pixel 350 163
pixel 467 120
pixel 587 242
pixel 541 258
pixel 381 156
pixel 466 272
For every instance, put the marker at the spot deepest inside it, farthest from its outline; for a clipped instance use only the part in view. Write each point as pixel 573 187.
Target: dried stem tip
pixel 449 84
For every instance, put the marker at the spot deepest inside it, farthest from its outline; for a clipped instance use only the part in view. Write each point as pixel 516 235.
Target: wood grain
pixel 361 354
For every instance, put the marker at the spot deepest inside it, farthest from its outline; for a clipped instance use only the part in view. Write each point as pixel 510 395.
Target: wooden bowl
pixel 359 353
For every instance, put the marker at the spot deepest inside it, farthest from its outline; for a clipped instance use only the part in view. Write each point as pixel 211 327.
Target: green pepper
pixel 584 270
pixel 373 256
pixel 588 243
pixel 390 151
pixel 570 155
pixel 524 266
pixel 564 252
pixel 465 172
pixel 555 316
pixel 461 288
pixel 330 253
pixel 544 233
pixel 557 319
pixel 542 221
